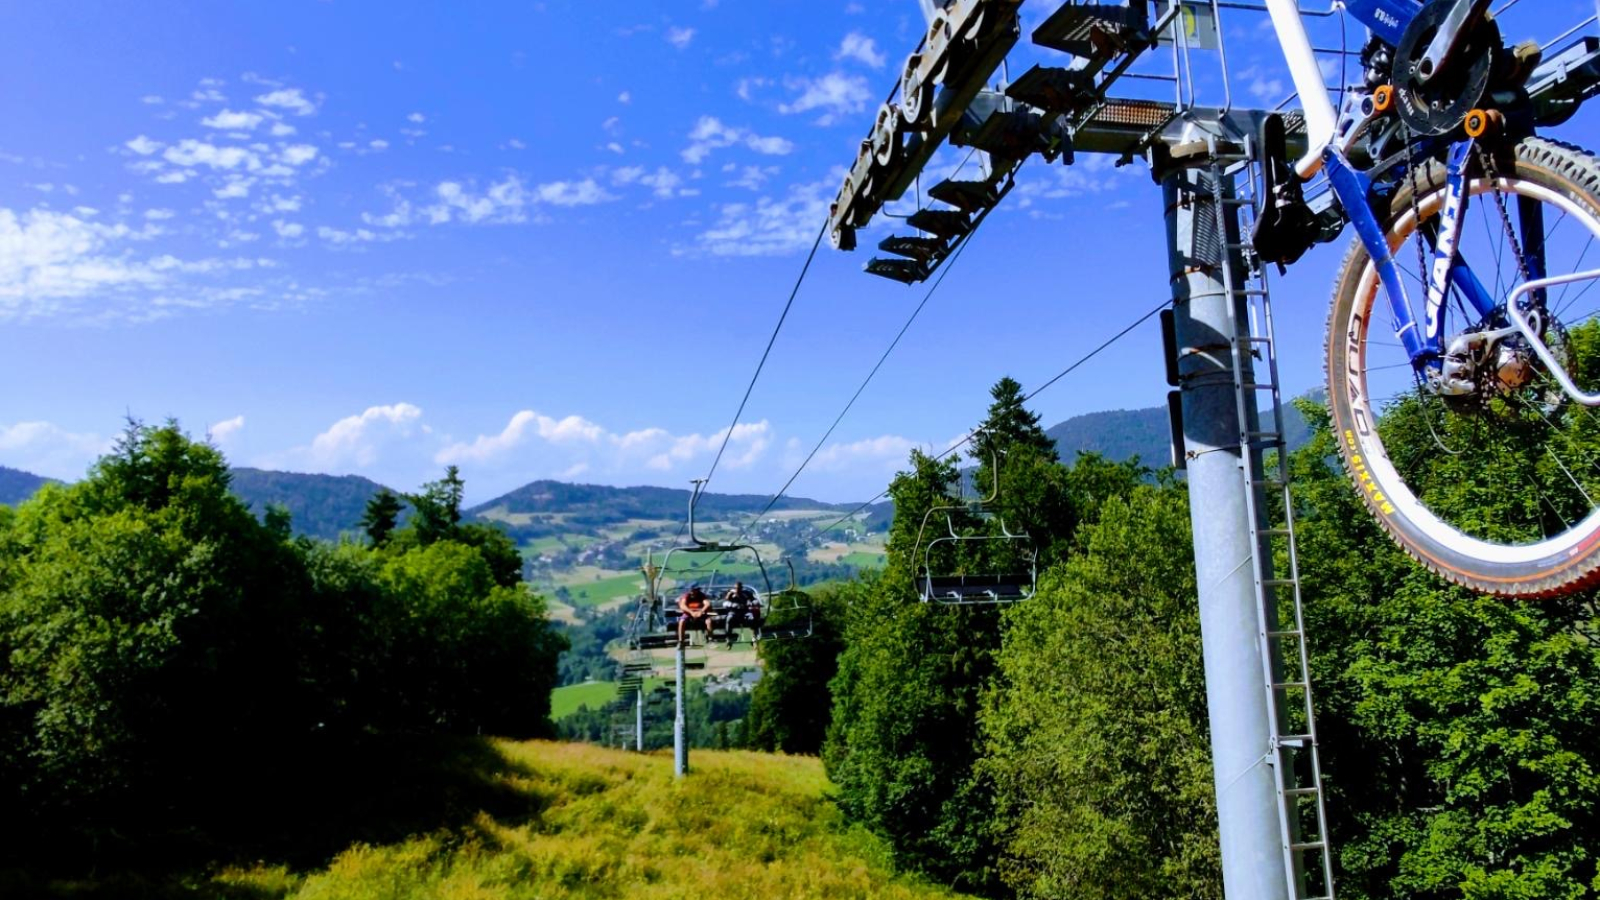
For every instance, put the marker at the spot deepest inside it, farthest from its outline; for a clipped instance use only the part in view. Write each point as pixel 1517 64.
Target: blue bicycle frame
pixel 1448 270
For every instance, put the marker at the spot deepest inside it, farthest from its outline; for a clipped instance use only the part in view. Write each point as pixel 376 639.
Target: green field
pixel 604 590
pixel 863 560
pixel 565 700
pixel 544 544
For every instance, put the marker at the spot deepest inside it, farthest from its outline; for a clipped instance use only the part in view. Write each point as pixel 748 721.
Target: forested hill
pixel 1120 434
pixel 321 506
pixel 17 485
pixel 599 504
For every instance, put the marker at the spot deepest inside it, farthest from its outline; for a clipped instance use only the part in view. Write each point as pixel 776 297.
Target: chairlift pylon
pixel 976 589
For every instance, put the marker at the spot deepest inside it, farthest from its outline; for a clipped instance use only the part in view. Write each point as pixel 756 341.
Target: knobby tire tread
pixel 1564 164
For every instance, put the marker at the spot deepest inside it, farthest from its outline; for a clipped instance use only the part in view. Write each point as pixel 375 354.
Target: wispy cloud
pixel 862 49
pixel 835 94
pixel 291 99
pixel 45 448
pixel 710 134
pixel 771 226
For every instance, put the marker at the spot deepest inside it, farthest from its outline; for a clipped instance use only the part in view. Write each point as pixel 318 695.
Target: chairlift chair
pixel 963 589
pixel 788 613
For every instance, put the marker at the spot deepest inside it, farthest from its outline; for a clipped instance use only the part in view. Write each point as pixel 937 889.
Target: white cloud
pixel 710 134
pixel 524 425
pixel 222 432
pixel 355 441
pixel 229 120
pixel 861 48
pixel 235 187
pixel 190 153
pixel 663 182
pixel 416 117
pixel 290 99
pixel 581 442
pixel 836 94
pixel 751 177
pixel 288 230
pixel 298 154
pixel 282 129
pixel 340 237
pixel 45 448
pixel 143 145
pixel 680 37
pixel 47 258
pixel 624 97
pixel 770 226
pixel 885 453
pixel 508 200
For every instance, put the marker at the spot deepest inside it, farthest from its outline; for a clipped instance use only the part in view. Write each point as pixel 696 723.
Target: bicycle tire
pixel 1541 568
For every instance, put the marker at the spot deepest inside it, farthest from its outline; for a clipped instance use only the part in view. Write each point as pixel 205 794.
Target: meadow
pixel 467 818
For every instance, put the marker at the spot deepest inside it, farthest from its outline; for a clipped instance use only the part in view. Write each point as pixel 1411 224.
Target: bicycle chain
pixel 1486 160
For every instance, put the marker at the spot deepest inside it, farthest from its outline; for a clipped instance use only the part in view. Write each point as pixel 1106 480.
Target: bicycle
pixel 1478 373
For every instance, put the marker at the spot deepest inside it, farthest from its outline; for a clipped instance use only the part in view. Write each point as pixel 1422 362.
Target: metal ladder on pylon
pixel 1286 676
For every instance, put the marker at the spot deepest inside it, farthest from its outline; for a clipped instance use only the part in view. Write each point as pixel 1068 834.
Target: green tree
pixel 1458 730
pixel 903 738
pixel 1010 426
pixel 791 705
pixel 381 516
pixel 150 623
pixel 437 507
pixel 1096 730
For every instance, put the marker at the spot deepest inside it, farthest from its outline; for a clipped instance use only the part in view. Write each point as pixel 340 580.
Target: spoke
pixel 1568 472
pixel 1576 267
pixel 1499 251
pixel 1569 303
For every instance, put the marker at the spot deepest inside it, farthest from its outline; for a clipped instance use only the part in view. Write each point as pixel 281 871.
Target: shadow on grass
pixel 292 810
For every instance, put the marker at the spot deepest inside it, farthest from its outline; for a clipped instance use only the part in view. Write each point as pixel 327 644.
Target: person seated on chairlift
pixel 696 609
pixel 742 606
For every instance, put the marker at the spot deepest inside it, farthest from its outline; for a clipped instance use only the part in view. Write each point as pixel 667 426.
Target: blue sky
pixel 538 240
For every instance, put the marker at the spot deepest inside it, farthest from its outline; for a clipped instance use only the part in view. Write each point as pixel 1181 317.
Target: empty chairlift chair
pixel 967 588
pixel 788 613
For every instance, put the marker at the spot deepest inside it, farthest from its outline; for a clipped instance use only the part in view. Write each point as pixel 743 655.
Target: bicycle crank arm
pixel 1458 23
pixel 1519 318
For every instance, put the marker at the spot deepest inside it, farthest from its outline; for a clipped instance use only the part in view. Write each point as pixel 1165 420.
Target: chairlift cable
pixel 1025 398
pixel 804 269
pixel 943 271
pixel 810 257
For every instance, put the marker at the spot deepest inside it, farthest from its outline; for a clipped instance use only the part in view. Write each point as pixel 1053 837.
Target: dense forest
pixel 1059 747
pixel 157 640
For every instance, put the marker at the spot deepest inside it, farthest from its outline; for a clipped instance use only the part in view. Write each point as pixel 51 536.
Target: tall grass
pixel 577 821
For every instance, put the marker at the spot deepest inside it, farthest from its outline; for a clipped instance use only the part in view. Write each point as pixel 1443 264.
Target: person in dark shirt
pixel 742 608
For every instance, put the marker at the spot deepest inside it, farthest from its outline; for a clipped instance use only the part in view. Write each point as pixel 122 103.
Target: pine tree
pixel 383 511
pixel 1009 425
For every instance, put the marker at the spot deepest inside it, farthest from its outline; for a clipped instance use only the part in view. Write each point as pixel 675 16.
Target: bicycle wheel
pixel 1494 491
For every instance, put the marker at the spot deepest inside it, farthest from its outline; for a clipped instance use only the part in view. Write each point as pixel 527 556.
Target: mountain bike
pixel 1464 336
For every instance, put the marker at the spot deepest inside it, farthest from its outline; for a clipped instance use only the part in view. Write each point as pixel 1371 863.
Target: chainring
pixel 1440 106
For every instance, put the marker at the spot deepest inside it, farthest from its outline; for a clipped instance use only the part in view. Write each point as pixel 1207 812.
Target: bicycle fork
pixel 1438 364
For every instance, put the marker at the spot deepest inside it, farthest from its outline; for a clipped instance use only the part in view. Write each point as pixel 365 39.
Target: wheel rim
pixel 1385 391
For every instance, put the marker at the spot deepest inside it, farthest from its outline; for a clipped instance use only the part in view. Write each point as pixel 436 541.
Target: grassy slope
pixel 565 700
pixel 498 819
